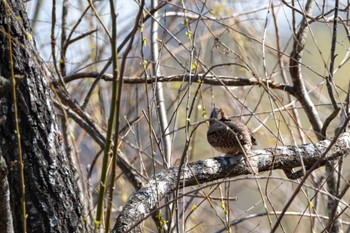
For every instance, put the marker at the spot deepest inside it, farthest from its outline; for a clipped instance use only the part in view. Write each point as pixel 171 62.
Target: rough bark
pixel 6 223
pixel 52 200
pixel 143 202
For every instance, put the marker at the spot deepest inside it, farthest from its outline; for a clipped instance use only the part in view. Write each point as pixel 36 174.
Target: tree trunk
pixel 52 200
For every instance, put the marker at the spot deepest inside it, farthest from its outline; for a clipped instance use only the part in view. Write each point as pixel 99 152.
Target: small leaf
pixel 97 223
pixel 204 112
pixel 144 64
pixel 311 205
pixel 189 34
pixel 222 205
pixel 141 27
pixel 29 36
pixel 162 221
pixel 194 207
pixel 193 66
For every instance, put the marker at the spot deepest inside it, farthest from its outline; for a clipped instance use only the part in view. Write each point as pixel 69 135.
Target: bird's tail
pixel 251 162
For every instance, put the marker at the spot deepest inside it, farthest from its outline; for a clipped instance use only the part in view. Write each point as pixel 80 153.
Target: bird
pixel 231 137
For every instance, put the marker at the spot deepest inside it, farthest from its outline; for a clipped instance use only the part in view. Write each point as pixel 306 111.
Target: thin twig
pixel 17 129
pixel 329 79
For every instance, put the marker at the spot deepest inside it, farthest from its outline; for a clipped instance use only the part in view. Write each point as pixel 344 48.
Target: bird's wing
pixel 242 132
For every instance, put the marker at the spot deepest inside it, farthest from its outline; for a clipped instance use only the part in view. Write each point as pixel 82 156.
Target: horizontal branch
pixel 274 213
pixel 142 202
pixel 206 79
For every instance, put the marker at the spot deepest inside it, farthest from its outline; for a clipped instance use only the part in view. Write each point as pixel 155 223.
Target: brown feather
pixel 226 135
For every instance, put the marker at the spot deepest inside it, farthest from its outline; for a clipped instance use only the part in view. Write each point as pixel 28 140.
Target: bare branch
pixel 295 70
pixel 205 79
pixel 233 223
pixel 333 172
pixel 329 79
pixel 84 121
pixel 159 90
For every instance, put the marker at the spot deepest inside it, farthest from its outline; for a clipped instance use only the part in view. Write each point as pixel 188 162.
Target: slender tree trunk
pixel 52 201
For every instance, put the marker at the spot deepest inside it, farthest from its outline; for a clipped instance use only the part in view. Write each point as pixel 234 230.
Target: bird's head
pixel 214 115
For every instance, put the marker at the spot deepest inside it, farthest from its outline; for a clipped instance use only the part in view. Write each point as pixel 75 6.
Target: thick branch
pixel 146 199
pixel 159 90
pixel 295 71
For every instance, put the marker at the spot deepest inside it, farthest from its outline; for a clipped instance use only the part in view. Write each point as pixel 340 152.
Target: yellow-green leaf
pixel 141 27
pixel 189 34
pixel 97 223
pixel 193 66
pixel 144 64
pixel 29 36
pixel 185 22
pixel 223 205
pixel 311 205
pixel 204 112
pixel 194 207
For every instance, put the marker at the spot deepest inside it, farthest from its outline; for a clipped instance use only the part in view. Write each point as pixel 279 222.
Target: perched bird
pixel 231 137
